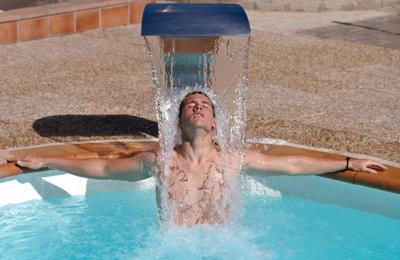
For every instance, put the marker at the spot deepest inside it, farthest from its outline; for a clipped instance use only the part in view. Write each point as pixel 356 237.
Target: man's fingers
pixel 27 164
pixel 377 166
pixel 383 167
pixel 370 170
pixel 373 167
pixel 22 163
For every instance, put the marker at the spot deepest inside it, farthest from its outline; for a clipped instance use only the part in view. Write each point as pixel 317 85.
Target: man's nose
pixel 198 106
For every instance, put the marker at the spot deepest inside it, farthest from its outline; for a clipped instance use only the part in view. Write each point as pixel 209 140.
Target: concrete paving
pixel 309 83
pixel 381 31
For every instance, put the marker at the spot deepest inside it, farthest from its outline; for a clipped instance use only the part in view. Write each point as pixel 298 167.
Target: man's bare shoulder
pixel 229 162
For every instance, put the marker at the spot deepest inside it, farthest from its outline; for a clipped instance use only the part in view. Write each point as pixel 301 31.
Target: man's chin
pixel 197 120
pixel 198 124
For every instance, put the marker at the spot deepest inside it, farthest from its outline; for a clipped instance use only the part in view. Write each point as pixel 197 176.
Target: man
pixel 200 178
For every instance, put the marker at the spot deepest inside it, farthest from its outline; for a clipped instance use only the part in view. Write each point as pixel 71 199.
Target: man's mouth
pixel 198 114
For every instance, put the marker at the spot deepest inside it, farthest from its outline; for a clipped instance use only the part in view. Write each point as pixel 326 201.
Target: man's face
pixel 197 112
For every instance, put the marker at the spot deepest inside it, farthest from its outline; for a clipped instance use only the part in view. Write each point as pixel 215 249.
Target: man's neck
pixel 198 149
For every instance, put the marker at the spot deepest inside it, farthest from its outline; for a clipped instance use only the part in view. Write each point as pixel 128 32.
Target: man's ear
pixel 180 123
pixel 214 125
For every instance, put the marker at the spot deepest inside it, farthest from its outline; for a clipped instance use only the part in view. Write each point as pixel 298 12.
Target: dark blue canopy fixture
pixel 188 20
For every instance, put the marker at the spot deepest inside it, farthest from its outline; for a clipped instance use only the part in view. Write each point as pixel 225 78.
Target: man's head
pixel 190 94
pixel 196 111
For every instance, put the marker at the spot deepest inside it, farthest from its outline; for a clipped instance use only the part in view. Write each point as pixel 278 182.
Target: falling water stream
pixel 216 66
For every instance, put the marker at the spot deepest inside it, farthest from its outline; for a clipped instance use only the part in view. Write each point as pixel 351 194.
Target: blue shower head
pixel 191 20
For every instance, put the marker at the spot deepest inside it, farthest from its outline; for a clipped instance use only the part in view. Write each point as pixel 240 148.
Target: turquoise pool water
pixel 124 225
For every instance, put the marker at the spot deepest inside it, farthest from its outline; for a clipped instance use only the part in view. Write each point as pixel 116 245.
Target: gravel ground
pixel 321 92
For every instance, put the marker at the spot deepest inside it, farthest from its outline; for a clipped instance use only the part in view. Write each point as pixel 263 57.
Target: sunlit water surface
pixel 125 225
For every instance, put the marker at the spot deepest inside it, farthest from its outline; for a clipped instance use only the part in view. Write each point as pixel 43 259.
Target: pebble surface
pixel 322 92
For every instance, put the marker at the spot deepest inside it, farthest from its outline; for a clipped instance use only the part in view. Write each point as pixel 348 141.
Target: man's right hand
pixel 6 157
pixel 31 162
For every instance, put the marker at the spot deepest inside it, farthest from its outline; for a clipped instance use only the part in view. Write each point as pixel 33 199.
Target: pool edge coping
pixel 389 180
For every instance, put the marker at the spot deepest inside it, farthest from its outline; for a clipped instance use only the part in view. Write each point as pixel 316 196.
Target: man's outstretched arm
pixel 134 168
pixel 267 164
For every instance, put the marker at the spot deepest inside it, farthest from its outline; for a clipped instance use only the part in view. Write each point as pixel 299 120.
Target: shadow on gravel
pixel 94 125
pixel 381 31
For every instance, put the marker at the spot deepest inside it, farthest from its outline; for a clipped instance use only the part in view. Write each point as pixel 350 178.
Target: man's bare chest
pixel 184 181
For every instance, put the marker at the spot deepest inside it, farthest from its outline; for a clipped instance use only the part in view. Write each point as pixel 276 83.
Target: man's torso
pixel 202 194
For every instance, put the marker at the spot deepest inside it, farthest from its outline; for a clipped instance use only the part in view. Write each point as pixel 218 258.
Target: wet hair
pixel 192 93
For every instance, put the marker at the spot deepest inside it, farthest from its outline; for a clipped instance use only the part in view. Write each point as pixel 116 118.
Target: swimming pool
pixel 282 219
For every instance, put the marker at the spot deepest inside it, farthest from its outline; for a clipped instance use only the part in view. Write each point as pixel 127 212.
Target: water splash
pixel 203 242
pixel 216 66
